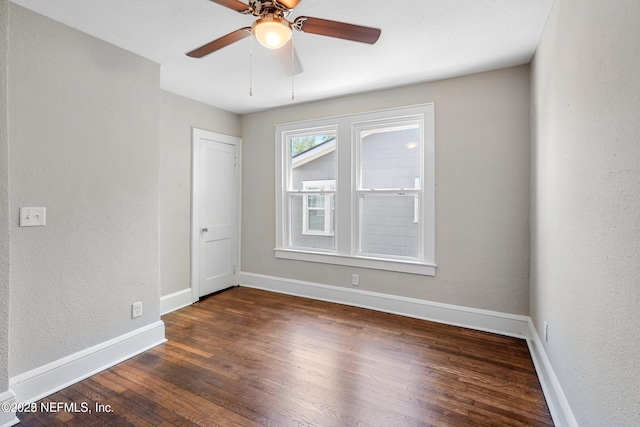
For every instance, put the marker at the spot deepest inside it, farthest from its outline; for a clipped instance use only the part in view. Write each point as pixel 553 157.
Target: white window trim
pixel 402 266
pixel 346 246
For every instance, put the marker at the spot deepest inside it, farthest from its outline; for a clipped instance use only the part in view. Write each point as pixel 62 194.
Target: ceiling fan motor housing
pixel 263 8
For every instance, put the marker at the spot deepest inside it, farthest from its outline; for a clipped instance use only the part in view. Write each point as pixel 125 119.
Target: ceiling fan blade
pixel 289 4
pixel 236 5
pixel 341 30
pixel 220 43
pixel 291 66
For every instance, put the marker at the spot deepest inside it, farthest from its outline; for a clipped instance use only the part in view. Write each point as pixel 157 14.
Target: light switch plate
pixel 33 217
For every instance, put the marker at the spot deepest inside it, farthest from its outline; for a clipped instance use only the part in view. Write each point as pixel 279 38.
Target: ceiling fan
pixel 273 30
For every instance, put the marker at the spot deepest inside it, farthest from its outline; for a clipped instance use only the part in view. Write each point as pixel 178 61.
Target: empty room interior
pixel 471 164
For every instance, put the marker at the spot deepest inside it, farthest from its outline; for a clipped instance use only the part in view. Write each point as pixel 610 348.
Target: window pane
pixel 311 228
pixel 390 157
pixel 313 158
pixel 388 225
pixel 301 144
pixel 315 220
pixel 315 201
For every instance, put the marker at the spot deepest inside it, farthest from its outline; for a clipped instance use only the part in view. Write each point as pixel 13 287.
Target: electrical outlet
pixel 136 309
pixel 546 331
pixel 355 279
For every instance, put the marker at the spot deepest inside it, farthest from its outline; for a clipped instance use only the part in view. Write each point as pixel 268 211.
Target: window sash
pixel 397 236
pixel 288 137
pixel 303 229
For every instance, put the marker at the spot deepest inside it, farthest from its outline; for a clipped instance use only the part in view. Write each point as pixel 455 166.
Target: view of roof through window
pixel 303 144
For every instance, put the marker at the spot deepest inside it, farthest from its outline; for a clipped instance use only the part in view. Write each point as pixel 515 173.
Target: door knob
pixel 204 230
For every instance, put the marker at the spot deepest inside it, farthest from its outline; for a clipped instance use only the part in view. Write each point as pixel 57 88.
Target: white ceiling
pixel 421 40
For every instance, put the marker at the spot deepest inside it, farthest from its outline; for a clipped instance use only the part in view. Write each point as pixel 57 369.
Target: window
pixel 318 208
pixel 358 190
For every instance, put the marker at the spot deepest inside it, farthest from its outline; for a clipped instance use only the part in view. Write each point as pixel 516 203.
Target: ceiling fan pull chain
pixel 251 68
pixel 293 66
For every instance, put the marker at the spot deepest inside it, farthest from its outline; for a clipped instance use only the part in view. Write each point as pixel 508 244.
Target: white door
pixel 215 211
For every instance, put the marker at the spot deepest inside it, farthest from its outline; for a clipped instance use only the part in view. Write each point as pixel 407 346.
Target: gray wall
pixel 178 116
pixel 83 140
pixel 482 192
pixel 585 270
pixel 4 204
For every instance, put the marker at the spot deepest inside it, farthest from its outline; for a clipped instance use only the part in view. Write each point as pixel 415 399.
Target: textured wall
pixel 482 192
pixel 585 274
pixel 178 116
pixel 84 142
pixel 4 203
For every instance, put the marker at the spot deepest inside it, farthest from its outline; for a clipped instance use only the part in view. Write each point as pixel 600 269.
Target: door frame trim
pixel 196 135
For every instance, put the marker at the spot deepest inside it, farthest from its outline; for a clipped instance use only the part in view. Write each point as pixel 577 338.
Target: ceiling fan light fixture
pixel 272 32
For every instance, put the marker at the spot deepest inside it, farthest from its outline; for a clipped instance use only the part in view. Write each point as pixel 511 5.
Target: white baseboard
pixel 483 320
pixel 8 417
pixel 48 379
pixel 556 400
pixel 175 301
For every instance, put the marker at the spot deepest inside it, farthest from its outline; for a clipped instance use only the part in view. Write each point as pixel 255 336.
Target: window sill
pixel 358 261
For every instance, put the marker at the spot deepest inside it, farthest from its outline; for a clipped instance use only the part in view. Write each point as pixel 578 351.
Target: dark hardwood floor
pixel 246 357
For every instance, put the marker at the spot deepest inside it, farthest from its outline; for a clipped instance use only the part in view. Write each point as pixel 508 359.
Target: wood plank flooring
pixel 246 357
